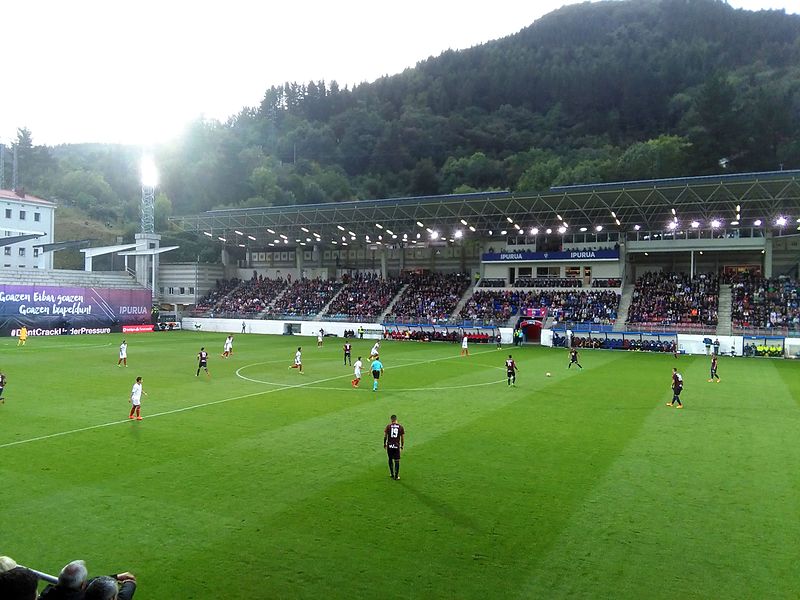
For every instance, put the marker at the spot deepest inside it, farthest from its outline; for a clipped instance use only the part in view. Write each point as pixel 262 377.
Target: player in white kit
pixel 298 361
pixel 123 354
pixel 136 400
pixel 465 346
pixel 357 372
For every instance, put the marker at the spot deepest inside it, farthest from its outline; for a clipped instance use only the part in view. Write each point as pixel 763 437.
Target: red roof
pixel 12 195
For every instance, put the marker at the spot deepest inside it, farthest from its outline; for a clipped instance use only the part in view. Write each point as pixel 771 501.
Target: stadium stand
pixel 607 283
pixel 66 278
pixel 364 297
pixel 675 299
pixel 222 288
pixel 250 297
pixel 548 282
pixel 758 302
pixel 598 307
pixel 497 282
pixel 305 297
pixel 430 297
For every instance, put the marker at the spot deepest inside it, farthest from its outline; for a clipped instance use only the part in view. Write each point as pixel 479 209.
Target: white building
pixel 22 214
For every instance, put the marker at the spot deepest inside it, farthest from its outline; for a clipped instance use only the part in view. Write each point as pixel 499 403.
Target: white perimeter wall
pixel 310 328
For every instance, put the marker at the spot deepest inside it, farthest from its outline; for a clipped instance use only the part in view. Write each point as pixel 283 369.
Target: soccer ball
pixel 547 374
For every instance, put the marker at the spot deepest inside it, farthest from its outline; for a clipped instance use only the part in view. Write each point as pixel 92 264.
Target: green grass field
pixel 261 483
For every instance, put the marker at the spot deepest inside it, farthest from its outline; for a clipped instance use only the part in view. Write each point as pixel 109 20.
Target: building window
pixel 22 215
pixel 161 290
pixel 22 251
pixel 191 290
pixel 35 252
pixel 8 213
pixel 7 250
pixel 37 217
pixel 183 291
pixel 171 290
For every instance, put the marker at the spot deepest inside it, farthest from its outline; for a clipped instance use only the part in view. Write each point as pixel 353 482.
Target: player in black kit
pixel 511 371
pixel 394 440
pixel 347 349
pixel 202 362
pixel 573 358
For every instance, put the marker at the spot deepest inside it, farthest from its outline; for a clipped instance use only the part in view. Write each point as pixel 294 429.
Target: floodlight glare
pixel 562 229
pixel 715 223
pixel 757 222
pixel 781 221
pixel 695 224
pixel 534 231
pixel 434 235
pixel 548 231
pixel 459 234
pixel 149 172
pixel 672 225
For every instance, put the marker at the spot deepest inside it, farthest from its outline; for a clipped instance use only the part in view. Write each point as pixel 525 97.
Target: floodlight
pixel 149 171
pixel 207 233
pixel 250 237
pixel 617 222
pixel 781 221
pixel 308 239
pixel 304 230
pixel 637 227
pixel 434 235
pixel 504 232
pixel 459 234
pixel 599 228
pixel 562 230
pixel 509 219
pixel 378 225
pixel 390 232
pixel 734 222
pixel 559 217
pixel 738 208
pixel 270 231
pixel 672 225
pixel 283 236
pixel 673 211
pixel 715 223
pixel 221 239
pixel 516 225
pixel 420 224
pixel 463 222
pixel 757 222
pixel 237 232
pixel 534 231
pixel 241 245
pixel 271 244
pixel 340 228
pixel 472 229
pixel 695 224
pixel 582 229
pixel 548 231
pixel 285 241
pixel 613 214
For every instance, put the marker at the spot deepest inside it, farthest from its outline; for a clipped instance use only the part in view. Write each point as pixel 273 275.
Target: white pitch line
pixel 195 406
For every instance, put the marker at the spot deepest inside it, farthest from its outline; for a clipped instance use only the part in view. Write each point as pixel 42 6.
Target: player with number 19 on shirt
pixel 394 441
pixel 202 362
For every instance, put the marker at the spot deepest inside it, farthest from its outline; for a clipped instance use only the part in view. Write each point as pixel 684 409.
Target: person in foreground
pixel 74 584
pixel 677 388
pixel 394 441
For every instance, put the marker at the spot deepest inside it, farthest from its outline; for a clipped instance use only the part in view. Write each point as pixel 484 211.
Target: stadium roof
pixel 744 200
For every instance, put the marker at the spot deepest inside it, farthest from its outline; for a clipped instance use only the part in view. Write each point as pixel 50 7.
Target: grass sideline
pixel 268 484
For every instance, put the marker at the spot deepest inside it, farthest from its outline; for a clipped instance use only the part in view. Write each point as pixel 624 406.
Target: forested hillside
pixel 593 92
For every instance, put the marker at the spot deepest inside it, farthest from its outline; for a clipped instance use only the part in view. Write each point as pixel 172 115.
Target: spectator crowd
pixel 765 303
pixel 675 299
pixel 364 297
pixel 429 297
pixel 305 297
pixel 599 307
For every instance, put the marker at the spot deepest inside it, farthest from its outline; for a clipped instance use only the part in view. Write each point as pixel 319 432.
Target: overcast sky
pixel 137 72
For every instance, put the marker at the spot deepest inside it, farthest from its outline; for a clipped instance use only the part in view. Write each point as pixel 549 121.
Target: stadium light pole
pixel 149 183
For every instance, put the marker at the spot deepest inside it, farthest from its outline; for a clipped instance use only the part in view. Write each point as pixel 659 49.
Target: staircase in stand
pixel 270 306
pixel 464 299
pixel 392 303
pixel 724 326
pixel 324 310
pixel 624 306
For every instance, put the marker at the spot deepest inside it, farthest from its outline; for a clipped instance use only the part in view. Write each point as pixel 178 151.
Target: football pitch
pixel 259 482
